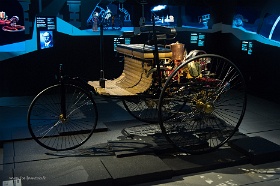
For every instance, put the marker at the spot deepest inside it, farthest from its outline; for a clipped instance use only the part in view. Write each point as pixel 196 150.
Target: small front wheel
pixel 57 131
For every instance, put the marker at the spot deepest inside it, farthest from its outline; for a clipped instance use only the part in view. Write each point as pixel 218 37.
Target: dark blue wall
pixel 29 73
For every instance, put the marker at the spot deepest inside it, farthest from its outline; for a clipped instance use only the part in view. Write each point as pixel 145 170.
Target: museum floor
pixel 108 158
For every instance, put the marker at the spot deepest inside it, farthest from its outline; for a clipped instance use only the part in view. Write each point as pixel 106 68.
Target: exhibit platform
pixel 109 157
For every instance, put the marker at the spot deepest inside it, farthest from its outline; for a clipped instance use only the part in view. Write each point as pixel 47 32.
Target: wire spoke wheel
pixel 56 131
pixel 142 108
pixel 209 98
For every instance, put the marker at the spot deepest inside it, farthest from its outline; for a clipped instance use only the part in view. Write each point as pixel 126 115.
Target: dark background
pixel 29 73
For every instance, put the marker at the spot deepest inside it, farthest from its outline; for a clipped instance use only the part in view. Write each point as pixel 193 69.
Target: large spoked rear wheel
pixel 54 131
pixel 209 98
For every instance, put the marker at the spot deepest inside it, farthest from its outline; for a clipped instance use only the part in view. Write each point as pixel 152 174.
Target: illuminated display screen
pixel 194 37
pixel 46 27
pixel 247 46
pixel 197 38
pixel 200 43
pixel 120 40
pixel 46 23
pixel 201 36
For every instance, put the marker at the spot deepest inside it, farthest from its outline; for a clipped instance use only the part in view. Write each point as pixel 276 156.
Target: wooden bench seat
pixel 132 81
pixel 138 60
